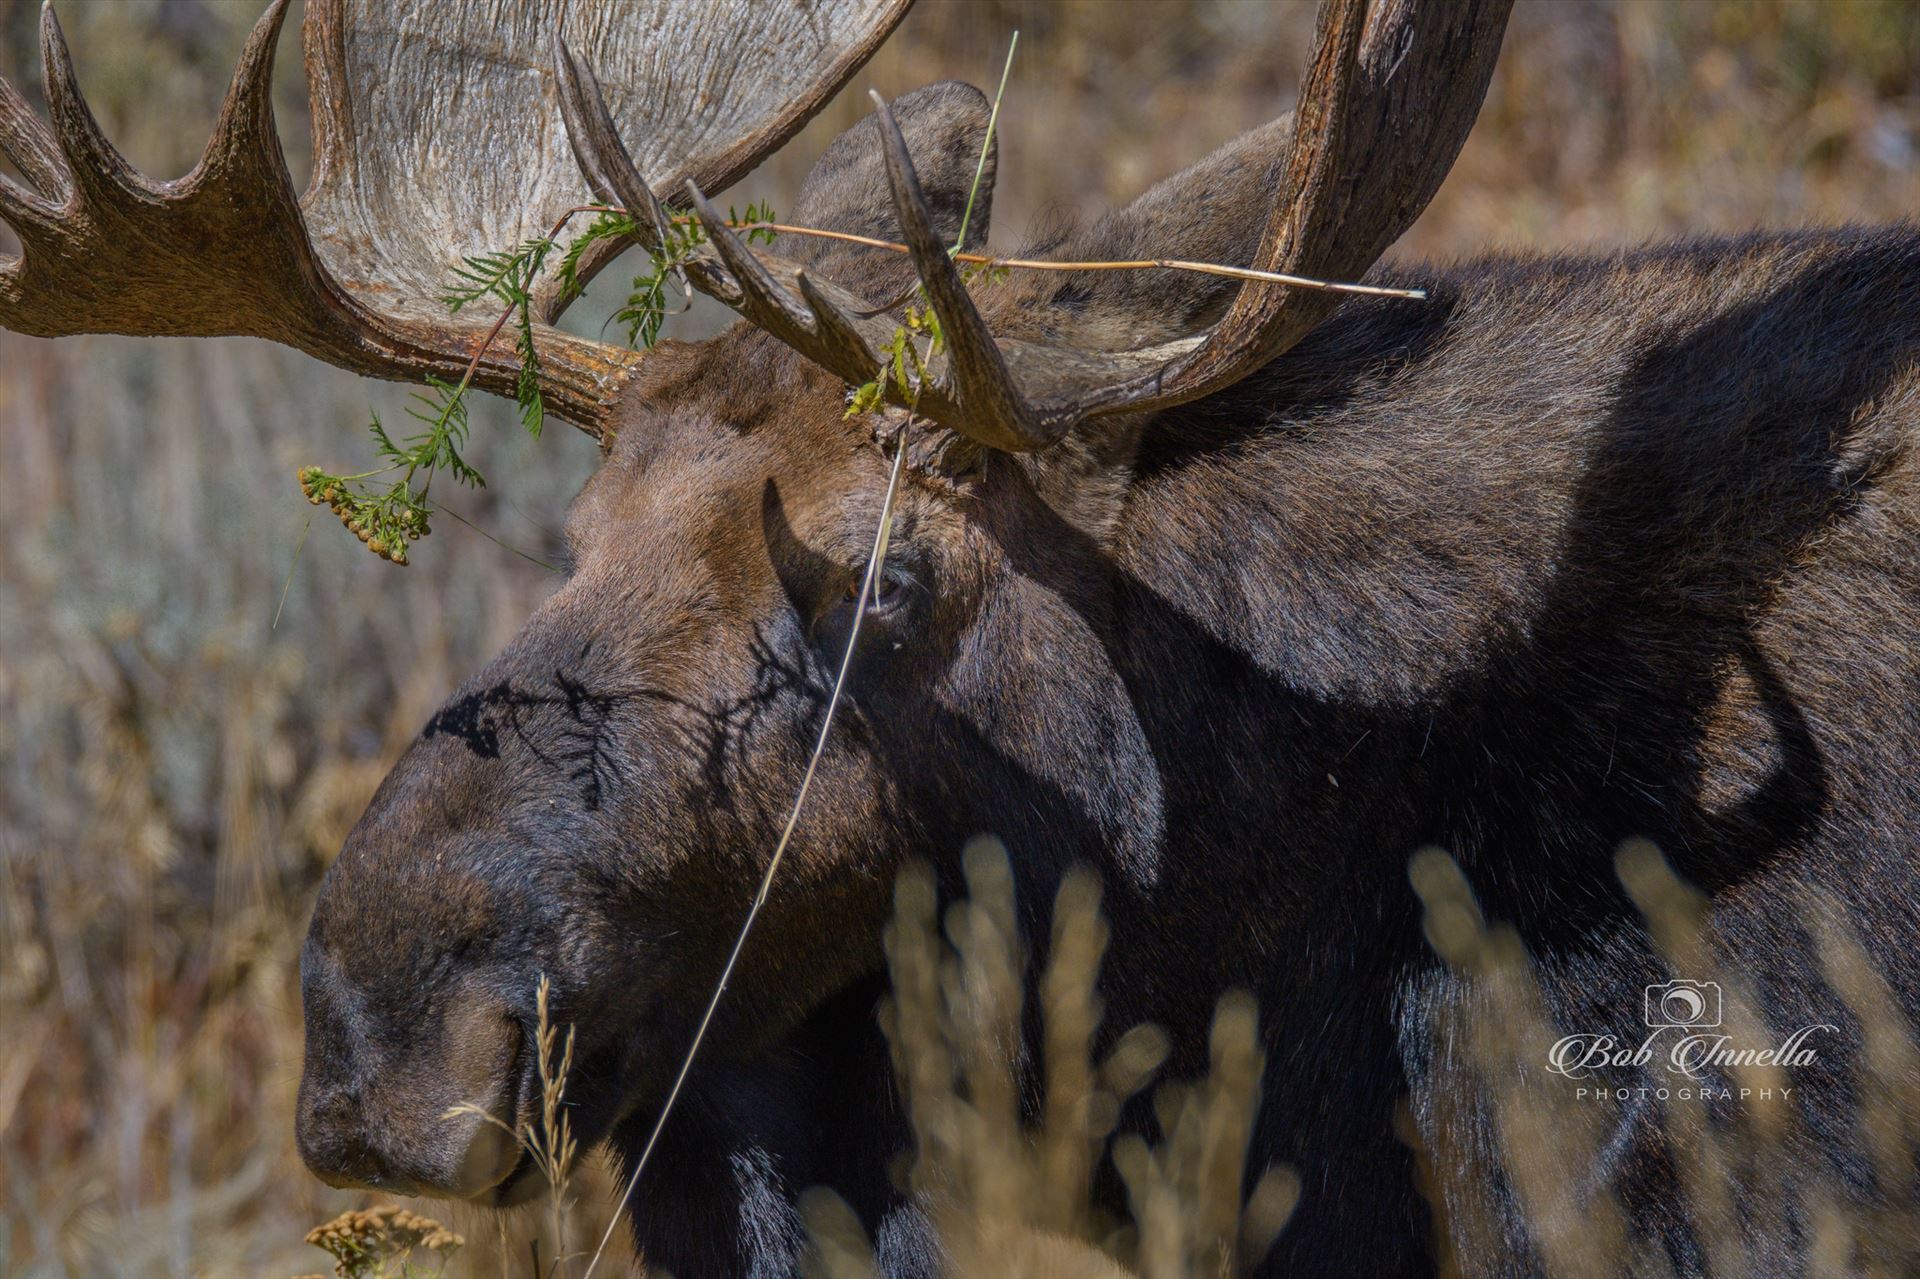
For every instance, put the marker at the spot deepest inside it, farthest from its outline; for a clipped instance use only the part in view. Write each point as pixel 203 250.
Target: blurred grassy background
pixel 175 772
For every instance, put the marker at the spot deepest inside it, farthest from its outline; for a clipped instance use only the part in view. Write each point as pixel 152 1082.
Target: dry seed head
pixel 377 545
pixel 378 1233
pixel 1268 1208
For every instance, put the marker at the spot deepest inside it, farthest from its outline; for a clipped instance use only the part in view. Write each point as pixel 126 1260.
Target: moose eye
pixel 883 626
pixel 888 594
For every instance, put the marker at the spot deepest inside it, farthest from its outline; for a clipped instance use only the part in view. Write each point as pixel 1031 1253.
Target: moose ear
pixel 945 126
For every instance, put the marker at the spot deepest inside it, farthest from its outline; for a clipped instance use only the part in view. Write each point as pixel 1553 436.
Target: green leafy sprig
pixel 388 514
pixel 387 517
pixel 509 276
pixel 646 306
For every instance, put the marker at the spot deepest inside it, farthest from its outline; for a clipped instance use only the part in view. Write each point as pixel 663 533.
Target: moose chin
pixel 1237 592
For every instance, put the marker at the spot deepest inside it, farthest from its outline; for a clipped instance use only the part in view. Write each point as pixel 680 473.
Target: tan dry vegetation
pixel 174 774
pixel 1011 1198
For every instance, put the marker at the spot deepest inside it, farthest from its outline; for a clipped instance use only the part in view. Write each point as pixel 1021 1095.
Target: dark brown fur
pixel 1579 550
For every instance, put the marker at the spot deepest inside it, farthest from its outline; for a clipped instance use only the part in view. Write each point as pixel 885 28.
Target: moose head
pixel 598 804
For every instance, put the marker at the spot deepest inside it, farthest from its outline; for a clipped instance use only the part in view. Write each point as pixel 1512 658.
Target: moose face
pixel 597 806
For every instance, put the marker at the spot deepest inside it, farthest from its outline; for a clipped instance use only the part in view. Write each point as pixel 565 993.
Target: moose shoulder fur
pixel 1575 550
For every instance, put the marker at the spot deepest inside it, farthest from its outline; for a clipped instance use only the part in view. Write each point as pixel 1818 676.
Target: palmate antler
pixel 1385 107
pixel 435 139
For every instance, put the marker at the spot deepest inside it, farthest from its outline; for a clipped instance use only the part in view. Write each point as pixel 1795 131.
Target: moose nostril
pixel 335 1104
pixel 446 1131
pixel 333 1155
pixel 328 1134
pixel 345 1159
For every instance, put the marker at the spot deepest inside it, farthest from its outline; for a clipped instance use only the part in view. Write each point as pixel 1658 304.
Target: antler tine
pixel 762 300
pixel 31 216
pixel 990 407
pixel 95 165
pixel 245 140
pixel 602 157
pixel 26 142
pixel 847 350
pixel 820 329
pixel 1264 321
pixel 611 172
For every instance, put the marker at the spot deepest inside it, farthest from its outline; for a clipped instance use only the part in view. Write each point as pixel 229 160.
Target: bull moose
pixel 1239 594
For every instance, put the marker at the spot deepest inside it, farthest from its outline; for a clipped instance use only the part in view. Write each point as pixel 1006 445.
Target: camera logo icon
pixel 1683 1005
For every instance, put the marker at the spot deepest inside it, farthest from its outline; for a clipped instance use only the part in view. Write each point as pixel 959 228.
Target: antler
pixel 1408 88
pixel 1386 105
pixel 420 159
pixel 816 317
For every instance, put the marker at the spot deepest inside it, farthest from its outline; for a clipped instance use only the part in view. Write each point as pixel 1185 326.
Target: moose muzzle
pixel 427 1108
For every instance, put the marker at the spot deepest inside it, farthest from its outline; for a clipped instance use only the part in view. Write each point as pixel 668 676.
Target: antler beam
pixel 222 251
pixel 353 271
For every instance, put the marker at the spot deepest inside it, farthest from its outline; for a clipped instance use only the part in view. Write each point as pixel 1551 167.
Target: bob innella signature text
pixel 1694 1055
